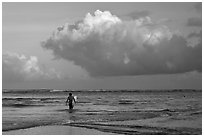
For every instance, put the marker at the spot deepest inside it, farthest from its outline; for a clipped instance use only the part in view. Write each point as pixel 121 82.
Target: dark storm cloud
pixel 198 7
pixel 105 45
pixel 194 22
pixel 138 14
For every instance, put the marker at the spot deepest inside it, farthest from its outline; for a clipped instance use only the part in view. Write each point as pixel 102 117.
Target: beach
pixel 56 130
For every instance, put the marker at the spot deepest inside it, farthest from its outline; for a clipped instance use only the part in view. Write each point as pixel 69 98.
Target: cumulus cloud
pixel 194 39
pixel 194 22
pixel 106 45
pixel 17 68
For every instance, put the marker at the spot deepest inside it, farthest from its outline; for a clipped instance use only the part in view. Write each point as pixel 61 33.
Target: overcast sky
pixel 102 45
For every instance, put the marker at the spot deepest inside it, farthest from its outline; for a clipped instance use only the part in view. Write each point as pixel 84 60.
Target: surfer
pixel 70 99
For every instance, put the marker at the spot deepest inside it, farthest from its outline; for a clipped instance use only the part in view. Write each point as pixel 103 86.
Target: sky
pixel 102 45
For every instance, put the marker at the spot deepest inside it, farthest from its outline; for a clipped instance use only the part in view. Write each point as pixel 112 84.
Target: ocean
pixel 131 112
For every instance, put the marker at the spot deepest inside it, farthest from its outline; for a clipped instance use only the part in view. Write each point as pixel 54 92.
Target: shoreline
pixel 139 127
pixel 56 130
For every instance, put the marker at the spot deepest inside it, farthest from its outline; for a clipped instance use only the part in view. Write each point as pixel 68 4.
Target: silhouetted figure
pixel 70 100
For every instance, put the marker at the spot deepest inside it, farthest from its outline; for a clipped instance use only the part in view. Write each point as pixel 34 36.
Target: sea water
pixel 116 111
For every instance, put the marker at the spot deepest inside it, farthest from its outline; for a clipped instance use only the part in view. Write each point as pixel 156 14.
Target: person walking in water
pixel 70 100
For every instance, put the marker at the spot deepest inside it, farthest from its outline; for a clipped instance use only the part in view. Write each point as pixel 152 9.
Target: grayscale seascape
pixel 102 68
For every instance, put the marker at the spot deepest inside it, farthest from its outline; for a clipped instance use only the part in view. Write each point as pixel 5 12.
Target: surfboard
pixel 75 97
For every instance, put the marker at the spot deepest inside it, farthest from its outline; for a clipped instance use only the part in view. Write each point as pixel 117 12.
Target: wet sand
pixel 56 130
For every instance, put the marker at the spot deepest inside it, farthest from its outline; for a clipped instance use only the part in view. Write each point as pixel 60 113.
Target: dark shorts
pixel 71 106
